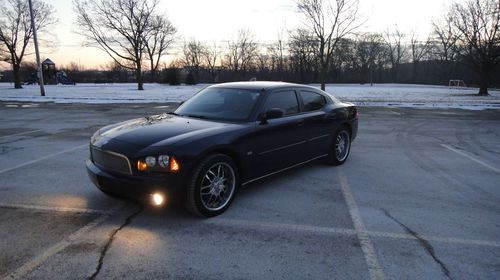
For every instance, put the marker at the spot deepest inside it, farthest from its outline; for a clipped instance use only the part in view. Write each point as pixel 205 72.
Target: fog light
pixel 157 199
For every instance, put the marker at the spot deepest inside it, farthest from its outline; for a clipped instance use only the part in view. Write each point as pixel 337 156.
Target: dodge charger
pixel 223 137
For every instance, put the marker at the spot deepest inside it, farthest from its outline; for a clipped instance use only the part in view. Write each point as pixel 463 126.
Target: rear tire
pixel 341 147
pixel 212 186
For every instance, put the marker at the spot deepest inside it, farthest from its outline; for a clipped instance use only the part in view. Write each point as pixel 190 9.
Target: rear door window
pixel 312 101
pixel 284 100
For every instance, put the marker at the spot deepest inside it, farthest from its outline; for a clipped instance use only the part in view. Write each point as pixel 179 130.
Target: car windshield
pixel 223 104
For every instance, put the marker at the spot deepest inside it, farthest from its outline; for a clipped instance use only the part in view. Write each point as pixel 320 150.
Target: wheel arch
pixel 228 151
pixel 348 126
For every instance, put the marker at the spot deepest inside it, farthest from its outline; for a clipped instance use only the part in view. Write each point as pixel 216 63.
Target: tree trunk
pixel 483 86
pixel 17 78
pixel 414 72
pixel 153 76
pixel 138 76
pixel 322 76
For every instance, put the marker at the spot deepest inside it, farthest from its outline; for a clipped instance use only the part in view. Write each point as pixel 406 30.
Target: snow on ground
pixel 399 95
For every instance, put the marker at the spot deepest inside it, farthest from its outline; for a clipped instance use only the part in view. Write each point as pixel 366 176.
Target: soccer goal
pixel 456 84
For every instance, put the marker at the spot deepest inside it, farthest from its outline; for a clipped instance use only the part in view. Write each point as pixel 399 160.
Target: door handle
pixel 301 122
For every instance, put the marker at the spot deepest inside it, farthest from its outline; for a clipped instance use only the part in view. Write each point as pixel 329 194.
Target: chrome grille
pixel 110 160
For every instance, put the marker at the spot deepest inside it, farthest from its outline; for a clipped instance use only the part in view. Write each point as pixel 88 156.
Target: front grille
pixel 110 160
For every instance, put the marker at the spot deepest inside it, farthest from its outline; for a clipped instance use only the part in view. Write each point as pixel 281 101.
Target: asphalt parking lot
pixel 419 198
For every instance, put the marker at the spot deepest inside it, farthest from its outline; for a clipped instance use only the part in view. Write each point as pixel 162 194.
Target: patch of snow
pixel 396 95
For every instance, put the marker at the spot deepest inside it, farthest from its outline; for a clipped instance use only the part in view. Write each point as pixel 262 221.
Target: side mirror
pixel 273 113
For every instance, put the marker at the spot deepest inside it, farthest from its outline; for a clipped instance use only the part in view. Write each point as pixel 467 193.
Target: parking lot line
pixel 450 240
pixel 38 260
pixel 374 267
pixel 270 226
pixel 19 134
pixel 29 266
pixel 53 208
pixel 282 226
pixel 42 158
pixel 471 158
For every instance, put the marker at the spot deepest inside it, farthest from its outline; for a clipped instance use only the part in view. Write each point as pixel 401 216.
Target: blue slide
pixel 62 78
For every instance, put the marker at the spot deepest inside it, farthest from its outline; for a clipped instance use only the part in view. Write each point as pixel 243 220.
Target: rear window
pixel 312 101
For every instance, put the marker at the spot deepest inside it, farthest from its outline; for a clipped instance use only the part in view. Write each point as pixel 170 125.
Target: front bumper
pixel 135 187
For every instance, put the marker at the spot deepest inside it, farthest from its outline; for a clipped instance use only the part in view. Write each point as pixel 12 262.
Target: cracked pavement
pixel 111 238
pixel 423 211
pixel 425 244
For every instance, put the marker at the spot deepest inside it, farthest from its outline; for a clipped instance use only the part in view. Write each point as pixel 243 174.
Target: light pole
pixel 35 39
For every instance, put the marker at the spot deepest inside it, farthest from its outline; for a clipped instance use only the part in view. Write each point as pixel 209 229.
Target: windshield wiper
pixel 173 113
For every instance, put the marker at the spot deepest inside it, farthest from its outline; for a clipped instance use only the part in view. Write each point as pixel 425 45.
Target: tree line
pixel 328 47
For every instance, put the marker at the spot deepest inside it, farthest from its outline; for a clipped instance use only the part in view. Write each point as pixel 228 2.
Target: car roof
pixel 260 85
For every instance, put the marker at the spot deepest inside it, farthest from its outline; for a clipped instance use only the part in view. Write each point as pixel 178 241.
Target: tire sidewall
pixel 194 197
pixel 332 158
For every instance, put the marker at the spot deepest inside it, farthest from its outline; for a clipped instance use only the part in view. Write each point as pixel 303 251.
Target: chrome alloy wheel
pixel 217 186
pixel 342 145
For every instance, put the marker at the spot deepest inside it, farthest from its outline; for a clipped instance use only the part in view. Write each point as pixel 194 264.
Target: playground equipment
pixel 51 75
pixel 49 71
pixel 62 78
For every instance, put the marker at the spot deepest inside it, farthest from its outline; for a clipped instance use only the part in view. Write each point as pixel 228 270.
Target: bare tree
pixel 210 57
pixel 329 21
pixel 16 31
pixel 477 23
pixel 193 57
pixel 396 50
pixel 118 27
pixel 419 50
pixel 446 38
pixel 277 53
pixel 263 59
pixel 303 58
pixel 368 50
pixel 241 52
pixel 158 39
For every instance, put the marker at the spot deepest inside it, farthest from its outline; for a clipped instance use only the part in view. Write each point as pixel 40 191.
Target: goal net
pixel 456 84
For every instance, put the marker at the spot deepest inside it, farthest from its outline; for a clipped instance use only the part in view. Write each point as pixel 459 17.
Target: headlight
pixel 159 163
pixel 163 161
pixel 151 161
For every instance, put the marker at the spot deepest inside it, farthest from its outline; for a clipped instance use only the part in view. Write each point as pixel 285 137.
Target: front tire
pixel 341 147
pixel 212 186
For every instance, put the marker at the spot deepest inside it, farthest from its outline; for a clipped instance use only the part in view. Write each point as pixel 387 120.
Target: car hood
pixel 155 130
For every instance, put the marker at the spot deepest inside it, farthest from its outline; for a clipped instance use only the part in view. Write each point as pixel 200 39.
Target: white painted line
pixel 42 158
pixel 19 134
pixel 443 239
pixel 471 158
pixel 374 268
pixel 53 208
pixel 282 226
pixel 26 268
pixel 260 225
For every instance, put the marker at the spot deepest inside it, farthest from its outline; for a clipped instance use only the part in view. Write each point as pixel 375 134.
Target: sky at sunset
pixel 219 20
